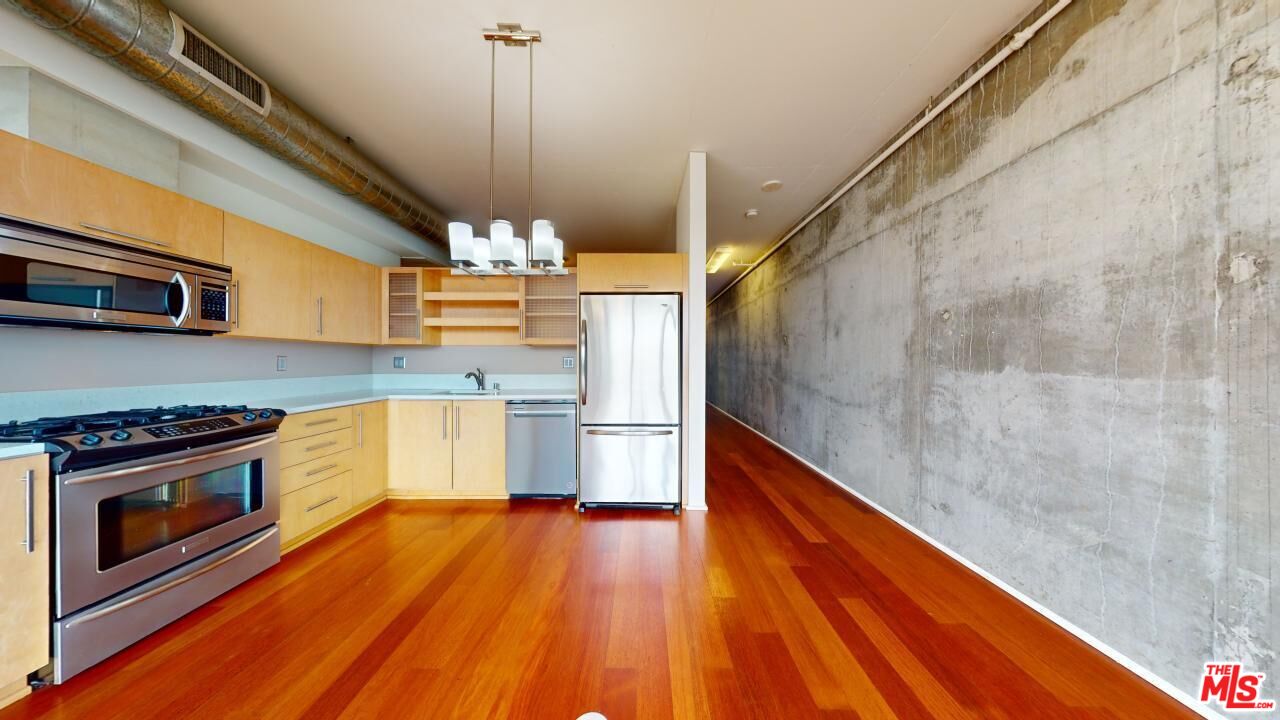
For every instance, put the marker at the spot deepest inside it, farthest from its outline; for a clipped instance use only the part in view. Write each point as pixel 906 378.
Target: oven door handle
pixel 172 583
pixel 111 474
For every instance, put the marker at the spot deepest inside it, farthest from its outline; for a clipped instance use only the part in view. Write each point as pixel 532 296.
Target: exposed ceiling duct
pixel 145 39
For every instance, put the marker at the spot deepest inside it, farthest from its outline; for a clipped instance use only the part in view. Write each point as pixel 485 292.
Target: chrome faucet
pixel 478 376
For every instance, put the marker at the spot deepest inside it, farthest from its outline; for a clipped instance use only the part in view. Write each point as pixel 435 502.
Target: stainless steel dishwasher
pixel 542 453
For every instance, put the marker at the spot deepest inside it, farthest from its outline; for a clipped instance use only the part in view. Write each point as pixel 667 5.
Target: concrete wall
pixel 1041 333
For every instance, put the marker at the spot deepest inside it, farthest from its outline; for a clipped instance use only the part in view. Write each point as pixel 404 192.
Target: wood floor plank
pixel 789 599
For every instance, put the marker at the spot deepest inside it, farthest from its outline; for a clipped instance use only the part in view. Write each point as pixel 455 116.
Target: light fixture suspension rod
pixel 493 61
pixel 530 235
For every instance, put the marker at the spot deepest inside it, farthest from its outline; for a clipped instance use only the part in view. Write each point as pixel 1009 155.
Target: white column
pixel 691 238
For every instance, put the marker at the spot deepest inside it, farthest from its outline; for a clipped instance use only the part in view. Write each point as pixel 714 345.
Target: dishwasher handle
pixel 540 413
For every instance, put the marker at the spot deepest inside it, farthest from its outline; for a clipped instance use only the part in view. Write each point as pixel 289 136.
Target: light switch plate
pixel 397 362
pixel 567 362
pixel 282 363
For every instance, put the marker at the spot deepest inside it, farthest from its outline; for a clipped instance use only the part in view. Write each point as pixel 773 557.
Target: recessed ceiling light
pixel 751 213
pixel 771 185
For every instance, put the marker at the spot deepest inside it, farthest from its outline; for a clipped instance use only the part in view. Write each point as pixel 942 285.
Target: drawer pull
pixel 326 421
pixel 630 287
pixel 322 445
pixel 317 471
pixel 131 236
pixel 322 503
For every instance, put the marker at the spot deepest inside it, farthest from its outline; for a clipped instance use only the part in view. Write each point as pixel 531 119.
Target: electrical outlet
pixel 282 363
pixel 397 362
pixel 567 362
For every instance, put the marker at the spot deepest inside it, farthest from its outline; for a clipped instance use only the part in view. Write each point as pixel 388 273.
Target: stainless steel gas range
pixel 155 513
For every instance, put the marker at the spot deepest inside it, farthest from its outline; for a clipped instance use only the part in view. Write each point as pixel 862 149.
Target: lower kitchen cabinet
pixel 370 464
pixel 420 444
pixel 331 462
pixel 480 447
pixel 441 448
pixel 24 565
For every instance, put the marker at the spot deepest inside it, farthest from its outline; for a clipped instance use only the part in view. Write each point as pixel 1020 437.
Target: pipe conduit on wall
pixel 137 36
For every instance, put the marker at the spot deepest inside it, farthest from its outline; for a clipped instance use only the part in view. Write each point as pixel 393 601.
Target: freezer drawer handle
pixel 632 433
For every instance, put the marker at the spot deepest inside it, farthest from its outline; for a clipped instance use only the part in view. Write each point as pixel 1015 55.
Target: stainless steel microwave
pixel 53 277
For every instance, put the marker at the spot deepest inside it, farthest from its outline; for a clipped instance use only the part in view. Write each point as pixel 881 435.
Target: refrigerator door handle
pixel 632 433
pixel 582 344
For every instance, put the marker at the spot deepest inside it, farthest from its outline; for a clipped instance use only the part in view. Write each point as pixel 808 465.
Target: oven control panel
pixel 191 427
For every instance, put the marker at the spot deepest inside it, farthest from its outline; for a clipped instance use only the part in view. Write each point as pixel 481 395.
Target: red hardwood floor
pixel 788 600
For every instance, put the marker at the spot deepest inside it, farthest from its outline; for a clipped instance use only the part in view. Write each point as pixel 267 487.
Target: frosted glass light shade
pixel 501 244
pixel 481 247
pixel 520 254
pixel 542 247
pixel 461 244
pixel 557 252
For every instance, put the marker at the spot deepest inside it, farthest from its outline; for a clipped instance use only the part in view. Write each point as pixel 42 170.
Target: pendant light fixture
pixel 503 252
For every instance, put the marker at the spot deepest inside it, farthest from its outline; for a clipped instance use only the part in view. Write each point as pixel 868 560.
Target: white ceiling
pixel 801 92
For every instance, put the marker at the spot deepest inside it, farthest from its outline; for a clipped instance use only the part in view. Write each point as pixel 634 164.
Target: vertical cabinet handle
pixel 235 298
pixel 29 539
pixel 320 315
pixel 457 422
pixel 444 421
pixel 360 428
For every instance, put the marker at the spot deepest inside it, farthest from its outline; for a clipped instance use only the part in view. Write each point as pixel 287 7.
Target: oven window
pixel 133 525
pixel 26 280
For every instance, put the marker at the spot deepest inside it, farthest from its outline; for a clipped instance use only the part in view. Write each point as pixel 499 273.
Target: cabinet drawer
pixel 316 446
pixel 314 505
pixel 314 423
pixel 314 470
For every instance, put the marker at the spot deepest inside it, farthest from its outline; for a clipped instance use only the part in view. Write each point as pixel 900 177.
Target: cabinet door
pixel 632 272
pixel 420 439
pixel 55 188
pixel 370 479
pixel 273 271
pixel 24 596
pixel 480 447
pixel 346 293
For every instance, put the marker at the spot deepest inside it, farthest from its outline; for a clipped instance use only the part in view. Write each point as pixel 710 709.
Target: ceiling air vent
pixel 201 55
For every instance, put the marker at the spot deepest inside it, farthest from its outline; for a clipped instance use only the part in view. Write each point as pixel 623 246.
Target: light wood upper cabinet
pixel 291 289
pixel 370 479
pixel 273 271
pixel 632 272
pixel 52 187
pixel 479 448
pixel 346 295
pixel 24 595
pixel 420 437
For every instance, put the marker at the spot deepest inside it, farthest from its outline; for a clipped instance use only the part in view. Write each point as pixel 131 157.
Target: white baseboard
pixel 1158 682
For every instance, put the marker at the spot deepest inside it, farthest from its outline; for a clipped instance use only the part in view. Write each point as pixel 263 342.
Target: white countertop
pixel 9 451
pixel 308 403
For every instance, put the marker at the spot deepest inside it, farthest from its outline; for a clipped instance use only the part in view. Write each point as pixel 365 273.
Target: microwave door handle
pixel 186 300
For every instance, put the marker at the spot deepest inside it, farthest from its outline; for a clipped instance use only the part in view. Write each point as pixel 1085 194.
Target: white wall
pixel 691 238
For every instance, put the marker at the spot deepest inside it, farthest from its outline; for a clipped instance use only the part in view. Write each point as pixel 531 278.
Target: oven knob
pixel 121 435
pixel 91 439
pixel 264 414
pixel 250 416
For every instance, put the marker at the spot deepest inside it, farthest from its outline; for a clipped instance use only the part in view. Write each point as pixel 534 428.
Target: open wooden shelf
pixel 471 296
pixel 471 322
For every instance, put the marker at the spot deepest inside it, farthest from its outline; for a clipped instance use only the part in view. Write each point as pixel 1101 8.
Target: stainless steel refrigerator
pixel 629 397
